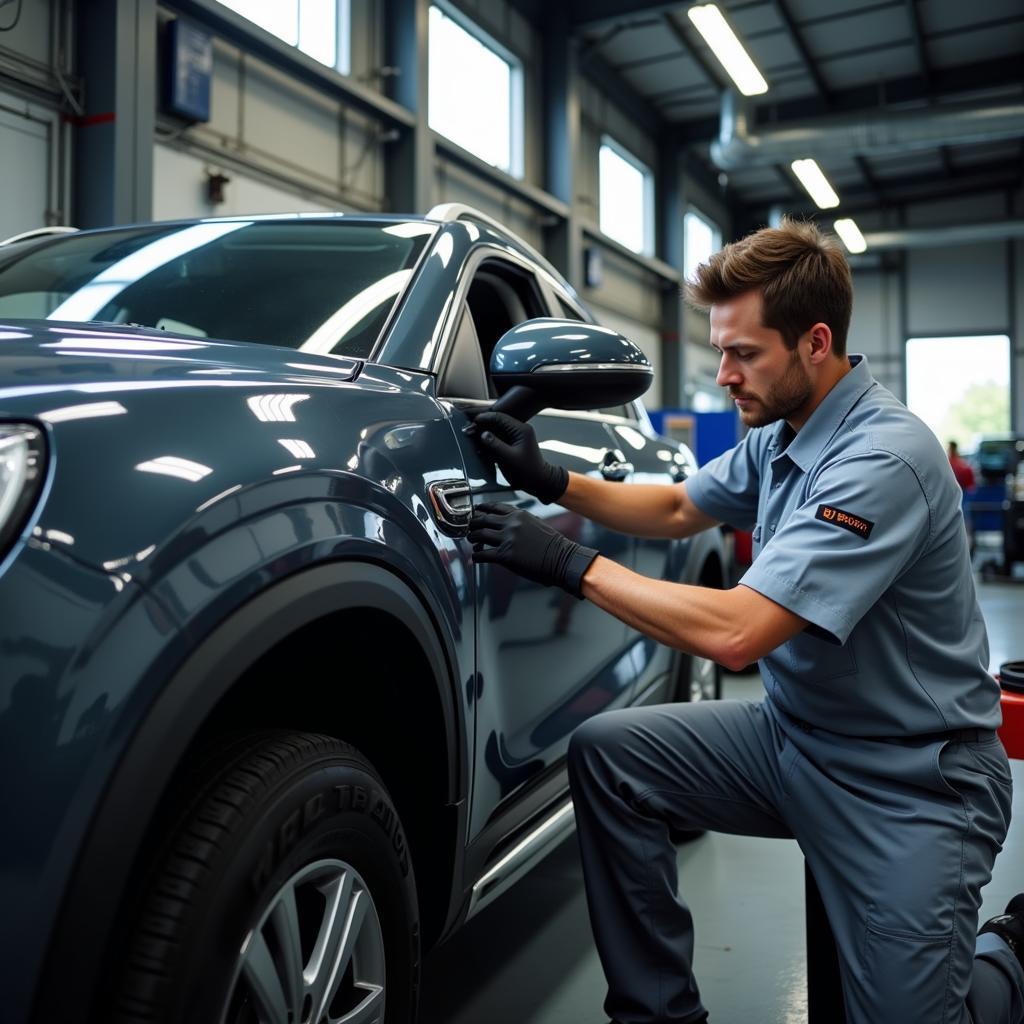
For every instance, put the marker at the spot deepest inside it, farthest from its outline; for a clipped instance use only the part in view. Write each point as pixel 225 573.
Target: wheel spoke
pixel 260 973
pixel 284 919
pixel 702 679
pixel 370 1010
pixel 343 919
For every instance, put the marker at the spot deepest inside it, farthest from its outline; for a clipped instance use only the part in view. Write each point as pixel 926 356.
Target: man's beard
pixel 790 393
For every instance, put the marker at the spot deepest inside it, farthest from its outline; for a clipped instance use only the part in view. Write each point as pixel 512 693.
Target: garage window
pixel 475 90
pixel 626 197
pixel 317 27
pixel 701 238
pixel 960 386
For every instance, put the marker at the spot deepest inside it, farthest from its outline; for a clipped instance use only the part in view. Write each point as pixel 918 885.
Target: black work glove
pixel 513 446
pixel 528 546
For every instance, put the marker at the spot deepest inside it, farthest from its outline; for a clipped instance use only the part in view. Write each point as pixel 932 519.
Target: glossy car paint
pixel 189 481
pixel 130 563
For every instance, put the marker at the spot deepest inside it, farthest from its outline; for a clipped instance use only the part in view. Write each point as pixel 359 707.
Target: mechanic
pixel 874 746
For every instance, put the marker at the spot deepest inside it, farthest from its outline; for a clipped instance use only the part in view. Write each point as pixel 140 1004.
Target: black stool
pixel 824 984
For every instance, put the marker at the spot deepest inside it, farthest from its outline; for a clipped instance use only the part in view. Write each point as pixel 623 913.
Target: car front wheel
pixel 283 894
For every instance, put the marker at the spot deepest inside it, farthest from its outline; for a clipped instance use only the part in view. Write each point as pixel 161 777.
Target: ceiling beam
pixel 924 66
pixel 677 33
pixel 587 15
pixel 795 37
pixel 787 176
pixel 868 175
pixel 919 46
pixel 617 89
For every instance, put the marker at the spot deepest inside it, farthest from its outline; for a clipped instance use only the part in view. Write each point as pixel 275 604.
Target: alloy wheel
pixel 316 956
pixel 703 679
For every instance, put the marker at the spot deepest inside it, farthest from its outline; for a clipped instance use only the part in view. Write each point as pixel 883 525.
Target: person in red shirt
pixel 965 478
pixel 961 468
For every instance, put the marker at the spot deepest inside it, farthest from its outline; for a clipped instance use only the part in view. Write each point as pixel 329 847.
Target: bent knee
pixel 599 734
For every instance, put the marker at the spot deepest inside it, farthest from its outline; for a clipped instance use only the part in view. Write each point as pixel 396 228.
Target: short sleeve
pixel 865 520
pixel 726 488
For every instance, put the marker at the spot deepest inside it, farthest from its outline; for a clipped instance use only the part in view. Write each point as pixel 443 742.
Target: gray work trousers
pixel 900 837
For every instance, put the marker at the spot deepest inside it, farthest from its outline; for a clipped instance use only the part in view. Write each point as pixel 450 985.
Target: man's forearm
pixel 733 627
pixel 642 510
pixel 693 619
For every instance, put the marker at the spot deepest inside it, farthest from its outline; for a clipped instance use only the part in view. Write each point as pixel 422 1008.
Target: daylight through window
pixel 475 92
pixel 626 197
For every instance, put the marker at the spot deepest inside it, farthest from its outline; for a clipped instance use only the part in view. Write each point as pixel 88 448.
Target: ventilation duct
pixel 933 238
pixel 867 134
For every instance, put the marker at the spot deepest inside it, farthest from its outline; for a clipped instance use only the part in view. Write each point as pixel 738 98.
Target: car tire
pixel 284 892
pixel 695 678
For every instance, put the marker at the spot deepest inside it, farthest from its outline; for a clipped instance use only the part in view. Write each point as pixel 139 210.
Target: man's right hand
pixel 513 446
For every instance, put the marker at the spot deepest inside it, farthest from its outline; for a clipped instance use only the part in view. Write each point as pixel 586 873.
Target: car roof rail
pixel 448 213
pixel 24 236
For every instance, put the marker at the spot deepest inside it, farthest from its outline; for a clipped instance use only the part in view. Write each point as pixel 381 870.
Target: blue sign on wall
pixel 189 70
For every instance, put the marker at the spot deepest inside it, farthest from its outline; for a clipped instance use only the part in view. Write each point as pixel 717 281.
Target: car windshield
pixel 324 286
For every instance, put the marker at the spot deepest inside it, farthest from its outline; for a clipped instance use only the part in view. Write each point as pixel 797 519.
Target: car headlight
pixel 22 458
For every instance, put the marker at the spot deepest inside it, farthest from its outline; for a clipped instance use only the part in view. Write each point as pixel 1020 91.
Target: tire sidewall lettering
pixel 338 801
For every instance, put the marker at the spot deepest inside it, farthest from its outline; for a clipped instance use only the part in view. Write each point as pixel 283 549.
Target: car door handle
pixel 615 468
pixel 451 502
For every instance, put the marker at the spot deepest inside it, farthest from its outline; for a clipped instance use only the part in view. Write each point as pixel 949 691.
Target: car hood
pixel 44 356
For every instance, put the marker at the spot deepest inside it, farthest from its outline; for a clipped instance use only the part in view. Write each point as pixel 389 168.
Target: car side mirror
pixel 565 364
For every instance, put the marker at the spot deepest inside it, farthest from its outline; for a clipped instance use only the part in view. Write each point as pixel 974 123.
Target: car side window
pixel 500 296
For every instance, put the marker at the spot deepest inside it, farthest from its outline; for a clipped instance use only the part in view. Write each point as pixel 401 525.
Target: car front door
pixel 545 661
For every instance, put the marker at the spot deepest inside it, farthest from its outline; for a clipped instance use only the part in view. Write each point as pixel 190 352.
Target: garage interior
pixel 130 111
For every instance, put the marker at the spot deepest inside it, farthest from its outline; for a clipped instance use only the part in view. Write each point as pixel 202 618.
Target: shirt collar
pixel 826 418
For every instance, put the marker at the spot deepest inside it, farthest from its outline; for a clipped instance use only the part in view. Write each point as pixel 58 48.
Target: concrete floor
pixel 529 957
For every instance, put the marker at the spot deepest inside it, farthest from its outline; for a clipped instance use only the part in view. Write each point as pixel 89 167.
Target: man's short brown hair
pixel 800 271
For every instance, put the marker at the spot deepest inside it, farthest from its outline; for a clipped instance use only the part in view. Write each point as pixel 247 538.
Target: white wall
pixel 34 142
pixel 25 157
pixel 266 126
pixel 179 190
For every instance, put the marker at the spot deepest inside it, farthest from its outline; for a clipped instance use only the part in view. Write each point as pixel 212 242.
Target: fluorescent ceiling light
pixel 710 23
pixel 848 231
pixel 275 408
pixel 813 179
pixel 81 412
pixel 297 448
pixel 171 465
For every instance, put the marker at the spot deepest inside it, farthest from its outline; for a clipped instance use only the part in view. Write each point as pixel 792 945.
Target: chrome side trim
pixel 451 501
pixel 570 367
pixel 650 691
pixel 523 856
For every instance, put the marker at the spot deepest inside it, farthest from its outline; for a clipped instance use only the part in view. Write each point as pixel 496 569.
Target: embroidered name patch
pixel 837 517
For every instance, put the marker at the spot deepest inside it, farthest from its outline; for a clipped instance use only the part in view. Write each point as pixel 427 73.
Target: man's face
pixel 767 381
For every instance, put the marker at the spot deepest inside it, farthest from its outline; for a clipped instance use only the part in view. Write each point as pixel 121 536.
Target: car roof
pixel 442 214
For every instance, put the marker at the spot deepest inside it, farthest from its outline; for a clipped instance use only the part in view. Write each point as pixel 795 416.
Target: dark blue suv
pixel 266 732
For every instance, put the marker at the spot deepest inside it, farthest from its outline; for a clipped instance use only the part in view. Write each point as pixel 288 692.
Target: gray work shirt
pixel 857 527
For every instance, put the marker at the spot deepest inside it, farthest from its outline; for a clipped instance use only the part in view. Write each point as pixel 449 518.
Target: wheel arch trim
pixel 156 747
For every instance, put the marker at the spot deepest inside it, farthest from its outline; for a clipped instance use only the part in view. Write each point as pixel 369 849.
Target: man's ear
pixel 821 342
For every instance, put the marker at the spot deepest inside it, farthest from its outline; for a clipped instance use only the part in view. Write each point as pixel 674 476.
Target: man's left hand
pixel 519 541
